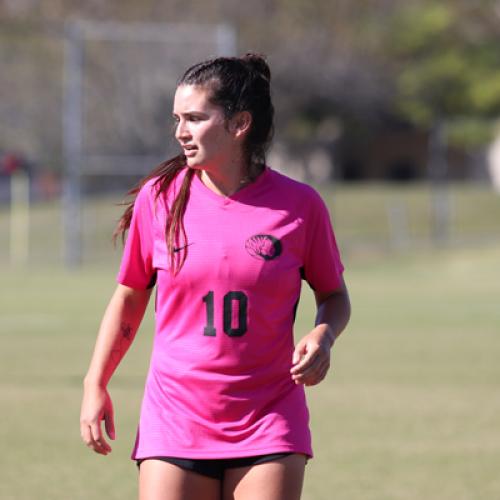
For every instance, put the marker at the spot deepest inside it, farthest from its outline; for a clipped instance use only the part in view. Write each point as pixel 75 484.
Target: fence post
pixel 19 217
pixel 438 173
pixel 72 144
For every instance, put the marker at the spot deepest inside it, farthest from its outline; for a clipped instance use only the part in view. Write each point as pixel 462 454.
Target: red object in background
pixel 11 162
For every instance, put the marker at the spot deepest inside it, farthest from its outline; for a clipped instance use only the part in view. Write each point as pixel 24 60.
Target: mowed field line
pixel 409 410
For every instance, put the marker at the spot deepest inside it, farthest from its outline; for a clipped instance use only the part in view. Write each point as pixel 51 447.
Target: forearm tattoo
pixel 126 330
pixel 122 343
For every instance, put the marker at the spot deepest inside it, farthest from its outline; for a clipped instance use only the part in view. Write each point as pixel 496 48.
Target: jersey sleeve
pixel 323 267
pixel 136 268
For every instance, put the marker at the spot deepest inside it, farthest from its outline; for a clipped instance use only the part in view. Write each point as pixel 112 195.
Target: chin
pixel 194 165
pixel 191 162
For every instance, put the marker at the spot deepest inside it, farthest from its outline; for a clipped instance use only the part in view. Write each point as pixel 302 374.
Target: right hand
pixel 97 406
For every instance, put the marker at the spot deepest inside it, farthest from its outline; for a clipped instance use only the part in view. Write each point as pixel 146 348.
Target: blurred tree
pixel 447 71
pixel 353 63
pixel 447 66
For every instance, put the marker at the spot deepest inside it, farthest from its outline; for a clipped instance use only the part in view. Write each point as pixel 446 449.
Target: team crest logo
pixel 263 246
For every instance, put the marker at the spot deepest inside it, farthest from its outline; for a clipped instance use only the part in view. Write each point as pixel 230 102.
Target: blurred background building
pixel 359 86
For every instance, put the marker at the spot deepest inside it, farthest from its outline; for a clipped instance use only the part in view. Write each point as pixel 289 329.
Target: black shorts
pixel 215 468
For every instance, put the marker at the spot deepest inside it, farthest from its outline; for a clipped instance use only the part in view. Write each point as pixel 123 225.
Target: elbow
pixel 348 312
pixel 346 306
pixel 131 298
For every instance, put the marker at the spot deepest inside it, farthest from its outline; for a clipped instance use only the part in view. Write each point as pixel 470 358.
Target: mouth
pixel 189 150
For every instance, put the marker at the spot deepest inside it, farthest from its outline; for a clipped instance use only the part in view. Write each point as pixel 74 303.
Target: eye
pixel 174 124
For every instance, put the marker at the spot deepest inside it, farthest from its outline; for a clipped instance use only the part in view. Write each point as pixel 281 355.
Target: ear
pixel 241 123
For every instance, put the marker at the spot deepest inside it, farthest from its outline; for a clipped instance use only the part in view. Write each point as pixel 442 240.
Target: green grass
pixel 409 411
pixel 364 215
pixel 369 219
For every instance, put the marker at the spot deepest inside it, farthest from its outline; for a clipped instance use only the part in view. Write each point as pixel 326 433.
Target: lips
pixel 189 150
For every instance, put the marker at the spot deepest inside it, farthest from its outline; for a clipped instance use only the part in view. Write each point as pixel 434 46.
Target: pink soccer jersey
pixel 219 383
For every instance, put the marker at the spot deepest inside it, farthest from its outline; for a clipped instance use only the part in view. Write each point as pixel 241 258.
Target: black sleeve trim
pixel 302 273
pixel 303 277
pixel 152 281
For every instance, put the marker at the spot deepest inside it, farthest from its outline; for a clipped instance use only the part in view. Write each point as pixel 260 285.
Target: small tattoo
pixel 126 331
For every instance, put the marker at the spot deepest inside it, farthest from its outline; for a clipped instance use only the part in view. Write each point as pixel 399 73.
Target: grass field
pixel 368 218
pixel 409 411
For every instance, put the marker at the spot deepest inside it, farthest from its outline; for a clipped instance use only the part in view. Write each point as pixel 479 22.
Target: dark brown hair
pixel 235 84
pixel 164 174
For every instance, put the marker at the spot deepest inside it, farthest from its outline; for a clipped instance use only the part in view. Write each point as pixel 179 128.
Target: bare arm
pixel 116 333
pixel 311 358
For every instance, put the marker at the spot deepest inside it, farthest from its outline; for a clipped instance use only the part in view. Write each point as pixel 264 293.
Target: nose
pixel 181 131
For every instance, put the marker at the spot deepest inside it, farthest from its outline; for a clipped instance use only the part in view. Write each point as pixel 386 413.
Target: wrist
pixel 91 381
pixel 327 333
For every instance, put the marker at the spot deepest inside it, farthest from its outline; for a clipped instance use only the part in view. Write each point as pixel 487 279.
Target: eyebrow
pixel 200 113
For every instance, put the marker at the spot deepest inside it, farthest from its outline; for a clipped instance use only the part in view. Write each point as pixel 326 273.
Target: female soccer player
pixel 226 241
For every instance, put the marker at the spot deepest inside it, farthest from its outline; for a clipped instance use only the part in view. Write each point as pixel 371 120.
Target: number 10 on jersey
pixel 231 299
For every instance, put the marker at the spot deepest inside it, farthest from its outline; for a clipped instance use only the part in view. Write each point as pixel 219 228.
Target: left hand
pixel 311 357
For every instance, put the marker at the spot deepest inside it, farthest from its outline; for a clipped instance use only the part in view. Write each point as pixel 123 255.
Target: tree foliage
pixel 447 66
pixel 334 62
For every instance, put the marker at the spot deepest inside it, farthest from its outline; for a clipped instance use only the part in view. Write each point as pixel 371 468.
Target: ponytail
pixel 175 233
pixel 258 63
pixel 234 84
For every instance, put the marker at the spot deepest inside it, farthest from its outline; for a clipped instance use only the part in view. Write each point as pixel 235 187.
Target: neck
pixel 225 181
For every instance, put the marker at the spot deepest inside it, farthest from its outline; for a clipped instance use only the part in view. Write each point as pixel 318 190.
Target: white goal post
pixel 210 40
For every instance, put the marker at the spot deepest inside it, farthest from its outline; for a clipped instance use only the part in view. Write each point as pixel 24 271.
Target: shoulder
pixel 153 190
pixel 296 190
pixel 147 195
pixel 149 188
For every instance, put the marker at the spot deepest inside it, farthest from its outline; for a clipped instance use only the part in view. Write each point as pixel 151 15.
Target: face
pixel 207 138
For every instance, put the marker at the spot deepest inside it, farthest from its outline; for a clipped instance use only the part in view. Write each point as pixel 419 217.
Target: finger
pixel 313 373
pixel 99 444
pixel 86 434
pixel 299 351
pixel 305 377
pixel 308 360
pixel 109 424
pixel 317 377
pixel 317 357
pixel 88 439
pixel 101 447
pixel 305 367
